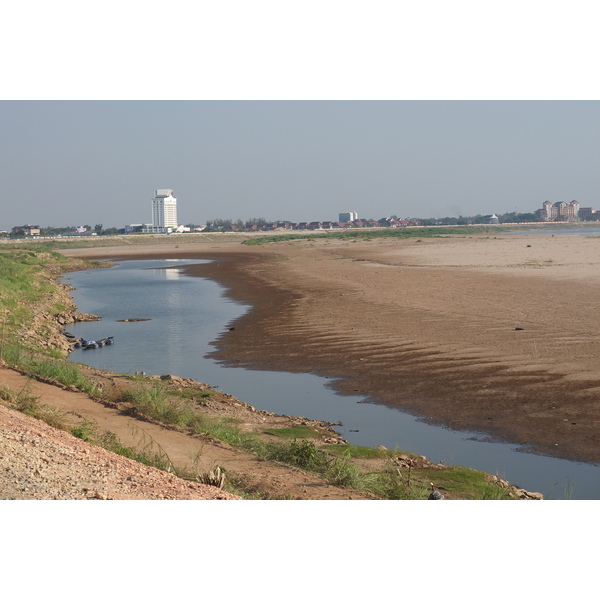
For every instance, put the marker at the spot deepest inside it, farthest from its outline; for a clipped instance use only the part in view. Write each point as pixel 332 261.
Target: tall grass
pixel 27 403
pixel 158 403
pixel 150 453
pixel 27 291
pixel 49 369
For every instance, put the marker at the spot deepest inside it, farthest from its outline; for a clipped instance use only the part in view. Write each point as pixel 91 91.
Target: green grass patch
pixel 48 368
pixel 299 432
pixel 26 288
pixel 362 451
pixel 467 483
pixel 191 394
pixel 157 402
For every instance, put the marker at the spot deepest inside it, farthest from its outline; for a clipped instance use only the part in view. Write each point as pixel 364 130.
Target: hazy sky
pixel 89 162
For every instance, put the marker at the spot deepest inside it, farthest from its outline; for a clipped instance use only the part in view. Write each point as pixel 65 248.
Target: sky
pixel 76 162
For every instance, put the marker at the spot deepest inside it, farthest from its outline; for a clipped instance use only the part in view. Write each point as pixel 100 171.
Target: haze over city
pixel 89 162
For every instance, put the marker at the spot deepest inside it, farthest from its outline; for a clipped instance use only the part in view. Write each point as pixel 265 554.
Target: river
pixel 187 314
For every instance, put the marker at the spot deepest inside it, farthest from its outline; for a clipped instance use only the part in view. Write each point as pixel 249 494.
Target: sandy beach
pixel 496 334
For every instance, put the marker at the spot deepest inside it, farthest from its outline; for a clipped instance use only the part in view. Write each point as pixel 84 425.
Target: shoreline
pixel 403 334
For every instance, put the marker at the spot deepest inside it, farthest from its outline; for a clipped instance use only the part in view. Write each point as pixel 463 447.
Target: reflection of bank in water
pixel 186 314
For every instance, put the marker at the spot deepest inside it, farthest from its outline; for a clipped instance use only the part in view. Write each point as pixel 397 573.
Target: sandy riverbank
pixel 496 334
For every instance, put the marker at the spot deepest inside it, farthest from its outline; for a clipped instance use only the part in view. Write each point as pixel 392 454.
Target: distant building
pixel 588 214
pixel 164 210
pixel 27 229
pixel 559 211
pixel 139 228
pixel 348 217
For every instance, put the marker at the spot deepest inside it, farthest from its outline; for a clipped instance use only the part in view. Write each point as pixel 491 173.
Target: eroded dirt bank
pixel 494 335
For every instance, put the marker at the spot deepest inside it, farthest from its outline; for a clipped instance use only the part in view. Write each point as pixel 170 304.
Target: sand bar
pixel 495 334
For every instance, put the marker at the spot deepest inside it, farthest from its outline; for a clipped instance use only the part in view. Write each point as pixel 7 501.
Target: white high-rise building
pixel 164 210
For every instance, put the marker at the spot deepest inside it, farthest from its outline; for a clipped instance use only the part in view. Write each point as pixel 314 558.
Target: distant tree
pixel 508 218
pixel 219 224
pixel 258 222
pixel 528 218
pixel 98 228
pixel 46 231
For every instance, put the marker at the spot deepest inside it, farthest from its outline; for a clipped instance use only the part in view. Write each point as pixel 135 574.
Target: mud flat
pixel 492 334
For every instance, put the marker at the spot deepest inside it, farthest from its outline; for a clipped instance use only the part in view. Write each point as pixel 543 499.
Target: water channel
pixel 187 313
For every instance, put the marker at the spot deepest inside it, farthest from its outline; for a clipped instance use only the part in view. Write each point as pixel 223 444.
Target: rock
pixel 171 377
pixel 435 496
pixel 80 317
pixel 525 495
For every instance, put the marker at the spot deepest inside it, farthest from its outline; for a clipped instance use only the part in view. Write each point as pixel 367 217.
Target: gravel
pixel 38 462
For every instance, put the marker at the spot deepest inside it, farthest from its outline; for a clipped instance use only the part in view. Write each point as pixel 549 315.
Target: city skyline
pixel 67 162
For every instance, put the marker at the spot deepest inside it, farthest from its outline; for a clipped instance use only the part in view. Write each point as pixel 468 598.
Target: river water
pixel 187 313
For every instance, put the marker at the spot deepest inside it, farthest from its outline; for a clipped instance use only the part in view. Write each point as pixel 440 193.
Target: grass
pixel 470 484
pixel 301 431
pixel 337 470
pixel 358 234
pixel 29 291
pixel 414 484
pixel 49 368
pixel 568 488
pixel 28 404
pixel 363 452
pixel 191 394
pixel 157 402
pixel 151 454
